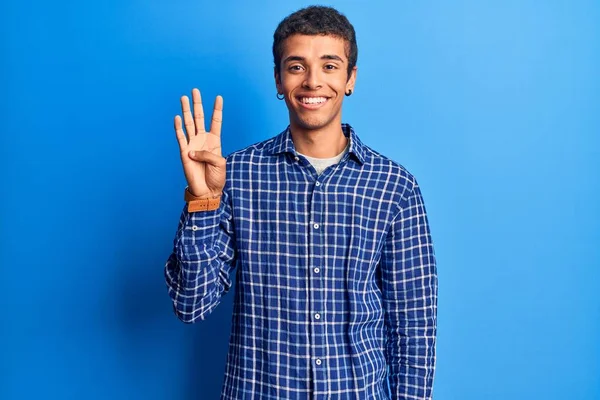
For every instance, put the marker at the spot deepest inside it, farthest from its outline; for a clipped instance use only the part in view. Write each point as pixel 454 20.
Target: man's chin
pixel 312 124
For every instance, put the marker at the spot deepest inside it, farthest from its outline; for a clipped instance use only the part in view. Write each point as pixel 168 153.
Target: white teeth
pixel 313 100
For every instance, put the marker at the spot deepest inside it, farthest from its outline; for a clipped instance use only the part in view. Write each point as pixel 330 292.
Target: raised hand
pixel 203 164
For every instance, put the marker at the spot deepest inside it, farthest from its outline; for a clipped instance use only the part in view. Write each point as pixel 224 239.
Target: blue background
pixel 494 106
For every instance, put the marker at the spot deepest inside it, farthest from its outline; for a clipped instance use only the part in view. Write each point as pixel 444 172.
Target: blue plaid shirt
pixel 336 283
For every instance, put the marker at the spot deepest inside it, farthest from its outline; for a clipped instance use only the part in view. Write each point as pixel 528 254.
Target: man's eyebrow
pixel 332 57
pixel 293 58
pixel 324 57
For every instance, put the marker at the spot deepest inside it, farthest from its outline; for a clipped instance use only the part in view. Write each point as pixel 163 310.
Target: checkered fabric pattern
pixel 336 281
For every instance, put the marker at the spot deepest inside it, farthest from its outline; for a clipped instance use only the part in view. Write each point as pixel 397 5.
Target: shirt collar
pixel 283 143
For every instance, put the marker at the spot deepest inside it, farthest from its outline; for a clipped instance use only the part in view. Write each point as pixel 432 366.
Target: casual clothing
pixel 321 164
pixel 336 282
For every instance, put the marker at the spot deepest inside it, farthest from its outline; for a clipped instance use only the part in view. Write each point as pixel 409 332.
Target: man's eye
pixel 295 68
pixel 330 67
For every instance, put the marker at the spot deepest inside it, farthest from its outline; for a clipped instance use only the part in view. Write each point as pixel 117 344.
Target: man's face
pixel 314 78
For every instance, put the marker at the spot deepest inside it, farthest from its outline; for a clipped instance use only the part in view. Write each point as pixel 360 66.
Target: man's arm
pixel 198 270
pixel 409 277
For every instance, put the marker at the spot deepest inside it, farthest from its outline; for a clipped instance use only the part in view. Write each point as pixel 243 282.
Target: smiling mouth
pixel 312 102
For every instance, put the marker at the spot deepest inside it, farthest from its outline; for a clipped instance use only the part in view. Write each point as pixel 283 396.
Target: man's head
pixel 312 21
pixel 315 54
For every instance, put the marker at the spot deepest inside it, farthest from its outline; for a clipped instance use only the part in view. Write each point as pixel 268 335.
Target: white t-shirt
pixel 320 164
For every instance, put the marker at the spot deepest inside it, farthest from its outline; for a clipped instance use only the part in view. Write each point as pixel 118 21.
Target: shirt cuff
pixel 200 228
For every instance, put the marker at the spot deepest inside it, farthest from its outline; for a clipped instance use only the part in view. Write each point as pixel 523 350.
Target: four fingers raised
pixel 194 124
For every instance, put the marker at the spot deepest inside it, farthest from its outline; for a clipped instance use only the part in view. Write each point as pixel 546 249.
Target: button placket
pixel 317 240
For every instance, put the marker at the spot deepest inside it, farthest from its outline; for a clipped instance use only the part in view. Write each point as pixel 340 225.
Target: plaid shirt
pixel 336 282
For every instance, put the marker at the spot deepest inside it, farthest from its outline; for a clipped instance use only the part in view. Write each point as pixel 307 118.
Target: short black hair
pixel 316 20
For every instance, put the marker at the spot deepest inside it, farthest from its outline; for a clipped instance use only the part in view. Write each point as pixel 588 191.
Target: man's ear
pixel 277 80
pixel 352 79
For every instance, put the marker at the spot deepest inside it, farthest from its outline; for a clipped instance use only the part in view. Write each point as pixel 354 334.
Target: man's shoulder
pixel 389 169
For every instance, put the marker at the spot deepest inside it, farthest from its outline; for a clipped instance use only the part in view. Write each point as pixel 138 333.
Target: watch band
pixel 199 204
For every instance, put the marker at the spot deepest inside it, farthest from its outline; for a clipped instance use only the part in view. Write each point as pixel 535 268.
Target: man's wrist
pixel 193 196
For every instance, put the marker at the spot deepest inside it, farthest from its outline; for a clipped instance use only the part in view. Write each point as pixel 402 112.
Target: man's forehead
pixel 314 46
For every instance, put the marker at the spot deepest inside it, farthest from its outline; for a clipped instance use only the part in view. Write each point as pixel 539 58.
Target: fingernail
pixel 192 153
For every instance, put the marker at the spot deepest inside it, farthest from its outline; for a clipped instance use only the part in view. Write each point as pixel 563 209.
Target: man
pixel 336 289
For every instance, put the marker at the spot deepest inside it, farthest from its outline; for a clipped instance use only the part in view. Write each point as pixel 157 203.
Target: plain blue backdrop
pixel 494 106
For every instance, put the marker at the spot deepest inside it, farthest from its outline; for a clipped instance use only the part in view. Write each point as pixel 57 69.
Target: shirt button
pixel 318 184
pixel 317 316
pixel 297 158
pixel 194 228
pixel 316 226
pixel 317 270
pixel 318 361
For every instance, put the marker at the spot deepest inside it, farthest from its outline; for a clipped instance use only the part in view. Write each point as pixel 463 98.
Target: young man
pixel 336 289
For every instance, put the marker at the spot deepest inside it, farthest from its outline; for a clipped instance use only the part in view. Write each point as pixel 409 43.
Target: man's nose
pixel 312 79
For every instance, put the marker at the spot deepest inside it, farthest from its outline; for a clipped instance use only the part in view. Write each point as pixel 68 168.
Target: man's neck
pixel 319 143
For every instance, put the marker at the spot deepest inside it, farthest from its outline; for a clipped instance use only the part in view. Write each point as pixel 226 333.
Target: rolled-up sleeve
pixel 198 270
